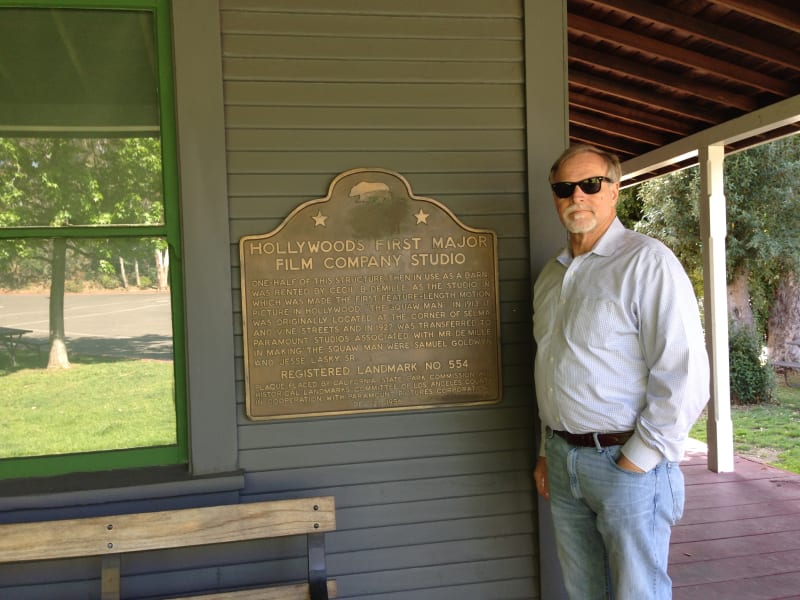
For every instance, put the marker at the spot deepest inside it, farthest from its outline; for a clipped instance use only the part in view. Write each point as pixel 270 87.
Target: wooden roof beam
pixel 765 11
pixel 631 132
pixel 633 115
pixel 695 60
pixel 706 30
pixel 643 97
pixel 618 146
pixel 660 77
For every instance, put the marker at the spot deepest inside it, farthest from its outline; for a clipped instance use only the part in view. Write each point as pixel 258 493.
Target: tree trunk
pixel 784 321
pixel 136 272
pixel 739 309
pixel 122 273
pixel 58 348
pixel 162 268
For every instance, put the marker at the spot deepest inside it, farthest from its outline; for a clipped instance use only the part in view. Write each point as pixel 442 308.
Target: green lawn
pixel 89 407
pixel 767 432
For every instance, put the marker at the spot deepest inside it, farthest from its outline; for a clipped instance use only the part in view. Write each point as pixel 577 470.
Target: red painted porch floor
pixel 739 538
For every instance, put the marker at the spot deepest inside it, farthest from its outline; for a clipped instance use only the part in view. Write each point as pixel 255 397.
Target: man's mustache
pixel 576 207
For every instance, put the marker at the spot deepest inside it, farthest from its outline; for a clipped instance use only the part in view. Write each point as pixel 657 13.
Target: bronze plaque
pixel 369 299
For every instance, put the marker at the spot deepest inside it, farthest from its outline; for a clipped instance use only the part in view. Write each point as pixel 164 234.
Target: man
pixel 621 375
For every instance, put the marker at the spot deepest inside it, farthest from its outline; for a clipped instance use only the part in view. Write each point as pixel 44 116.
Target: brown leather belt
pixel 586 440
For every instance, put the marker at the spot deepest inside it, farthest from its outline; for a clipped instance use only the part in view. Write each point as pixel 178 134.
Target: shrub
pixel 74 286
pixel 108 281
pixel 752 379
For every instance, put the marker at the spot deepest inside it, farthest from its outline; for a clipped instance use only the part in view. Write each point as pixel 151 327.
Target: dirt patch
pixel 767 456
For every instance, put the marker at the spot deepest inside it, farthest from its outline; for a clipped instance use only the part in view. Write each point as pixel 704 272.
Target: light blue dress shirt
pixel 620 346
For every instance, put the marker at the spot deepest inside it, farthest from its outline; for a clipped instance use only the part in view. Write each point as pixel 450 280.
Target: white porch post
pixel 712 231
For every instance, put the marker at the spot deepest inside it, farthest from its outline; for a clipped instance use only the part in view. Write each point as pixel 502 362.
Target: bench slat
pixel 165 529
pixel 786 363
pixel 287 592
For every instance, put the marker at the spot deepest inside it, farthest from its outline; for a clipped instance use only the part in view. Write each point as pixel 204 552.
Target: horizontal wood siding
pixel 432 503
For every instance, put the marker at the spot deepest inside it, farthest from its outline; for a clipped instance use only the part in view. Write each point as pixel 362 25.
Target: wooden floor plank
pixel 739 537
pixel 773 587
pixel 696 572
pixel 736 528
pixel 735 546
pixel 744 469
pixel 712 495
pixel 725 514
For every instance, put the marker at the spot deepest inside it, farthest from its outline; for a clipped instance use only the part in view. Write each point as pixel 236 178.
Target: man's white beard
pixel 584 224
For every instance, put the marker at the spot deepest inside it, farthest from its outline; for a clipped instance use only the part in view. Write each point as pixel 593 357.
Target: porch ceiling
pixel 644 74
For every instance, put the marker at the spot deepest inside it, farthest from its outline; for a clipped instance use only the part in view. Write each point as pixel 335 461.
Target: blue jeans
pixel 612 526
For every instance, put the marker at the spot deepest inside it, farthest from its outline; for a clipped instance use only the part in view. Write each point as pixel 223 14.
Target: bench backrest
pixel 166 529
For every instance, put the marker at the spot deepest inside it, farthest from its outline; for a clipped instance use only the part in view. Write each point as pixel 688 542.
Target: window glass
pixel 68 181
pixel 89 301
pixel 117 331
pixel 68 70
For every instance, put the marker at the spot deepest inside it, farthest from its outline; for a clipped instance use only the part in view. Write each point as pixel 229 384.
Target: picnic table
pixel 10 337
pixel 788 365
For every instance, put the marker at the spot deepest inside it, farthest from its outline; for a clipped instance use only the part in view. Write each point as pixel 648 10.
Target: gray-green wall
pixel 466 99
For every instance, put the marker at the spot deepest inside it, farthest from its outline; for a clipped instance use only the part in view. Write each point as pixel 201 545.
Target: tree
pixel 762 190
pixel 763 193
pixel 59 191
pixel 784 321
pixel 61 182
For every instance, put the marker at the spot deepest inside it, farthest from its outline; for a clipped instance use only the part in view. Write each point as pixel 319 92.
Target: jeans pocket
pixel 612 454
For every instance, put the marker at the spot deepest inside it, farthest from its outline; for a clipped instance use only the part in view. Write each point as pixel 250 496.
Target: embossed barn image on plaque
pixel 369 299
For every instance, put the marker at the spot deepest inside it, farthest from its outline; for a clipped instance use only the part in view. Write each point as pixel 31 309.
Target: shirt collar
pixel 611 239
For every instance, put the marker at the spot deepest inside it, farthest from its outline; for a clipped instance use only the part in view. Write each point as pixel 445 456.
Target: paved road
pixel 136 324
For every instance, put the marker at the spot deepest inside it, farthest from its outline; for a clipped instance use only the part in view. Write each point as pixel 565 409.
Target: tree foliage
pixel 762 192
pixel 63 182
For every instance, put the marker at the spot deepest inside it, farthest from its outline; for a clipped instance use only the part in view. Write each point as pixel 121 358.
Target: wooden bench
pixel 786 366
pixel 111 537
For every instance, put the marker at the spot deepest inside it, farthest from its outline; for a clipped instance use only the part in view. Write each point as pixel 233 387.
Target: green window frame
pixel 169 229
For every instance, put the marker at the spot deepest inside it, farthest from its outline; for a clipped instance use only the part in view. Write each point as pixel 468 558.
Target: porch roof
pixel 644 74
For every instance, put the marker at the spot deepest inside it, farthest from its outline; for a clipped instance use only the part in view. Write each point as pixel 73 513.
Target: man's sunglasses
pixel 590 185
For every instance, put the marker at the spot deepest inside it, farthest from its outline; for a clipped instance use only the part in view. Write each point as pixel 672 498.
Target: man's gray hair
pixel 613 167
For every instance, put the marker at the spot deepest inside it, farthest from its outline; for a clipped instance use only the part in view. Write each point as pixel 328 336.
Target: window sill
pixel 135 485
